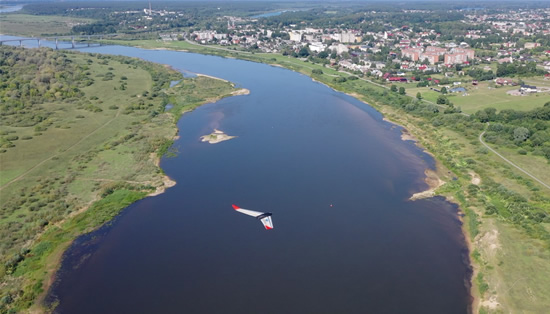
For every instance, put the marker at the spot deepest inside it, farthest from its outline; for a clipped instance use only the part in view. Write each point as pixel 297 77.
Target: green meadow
pixel 482 96
pixel 34 26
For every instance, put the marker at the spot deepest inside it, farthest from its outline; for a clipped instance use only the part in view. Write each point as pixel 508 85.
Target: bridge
pixel 72 39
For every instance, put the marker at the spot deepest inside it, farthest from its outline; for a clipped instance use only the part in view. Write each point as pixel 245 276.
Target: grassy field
pixel 100 147
pixel 483 96
pixel 31 25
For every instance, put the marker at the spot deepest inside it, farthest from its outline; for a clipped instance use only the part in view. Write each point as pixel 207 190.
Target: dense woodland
pixel 30 77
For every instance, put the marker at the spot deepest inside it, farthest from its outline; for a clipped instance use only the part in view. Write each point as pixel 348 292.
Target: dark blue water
pixel 300 148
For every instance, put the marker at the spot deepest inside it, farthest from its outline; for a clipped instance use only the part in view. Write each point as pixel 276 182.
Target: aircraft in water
pixel 265 218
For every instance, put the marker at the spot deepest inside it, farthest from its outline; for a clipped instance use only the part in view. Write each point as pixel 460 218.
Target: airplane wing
pixel 247 211
pixel 265 218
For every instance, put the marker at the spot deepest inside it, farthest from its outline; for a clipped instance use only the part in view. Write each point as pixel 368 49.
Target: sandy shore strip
pixel 433 181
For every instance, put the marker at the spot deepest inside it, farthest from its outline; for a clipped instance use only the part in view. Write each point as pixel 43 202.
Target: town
pixel 490 47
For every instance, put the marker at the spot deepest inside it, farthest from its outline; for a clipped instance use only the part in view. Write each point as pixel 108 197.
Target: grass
pixel 531 163
pixel 514 271
pixel 32 25
pixel 194 92
pixel 55 240
pixel 484 96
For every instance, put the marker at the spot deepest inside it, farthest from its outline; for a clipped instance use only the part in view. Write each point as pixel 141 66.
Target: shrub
pixel 317 71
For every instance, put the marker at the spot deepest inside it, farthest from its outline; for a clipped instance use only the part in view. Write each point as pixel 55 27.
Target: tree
pixel 304 52
pixel 441 100
pixel 418 96
pixel 444 90
pixel 401 90
pixel 393 88
pixel 521 134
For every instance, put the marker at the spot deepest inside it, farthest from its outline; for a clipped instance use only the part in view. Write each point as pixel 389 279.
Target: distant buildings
pixel 528 89
pixel 459 56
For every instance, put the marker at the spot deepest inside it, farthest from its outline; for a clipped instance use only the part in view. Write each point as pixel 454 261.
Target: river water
pixel 9 9
pixel 336 178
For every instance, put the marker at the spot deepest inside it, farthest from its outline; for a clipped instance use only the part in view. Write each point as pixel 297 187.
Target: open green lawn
pixel 33 25
pixel 484 96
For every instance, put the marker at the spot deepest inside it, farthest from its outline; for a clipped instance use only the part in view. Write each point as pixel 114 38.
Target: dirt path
pixel 511 163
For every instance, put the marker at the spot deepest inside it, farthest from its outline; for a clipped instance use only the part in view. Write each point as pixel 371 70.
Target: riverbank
pixel 96 170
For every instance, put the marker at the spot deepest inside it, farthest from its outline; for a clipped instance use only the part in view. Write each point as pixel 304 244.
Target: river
pixel 336 177
pixel 9 9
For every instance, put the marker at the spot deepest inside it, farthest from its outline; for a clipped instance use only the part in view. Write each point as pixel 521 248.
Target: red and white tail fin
pixel 268 223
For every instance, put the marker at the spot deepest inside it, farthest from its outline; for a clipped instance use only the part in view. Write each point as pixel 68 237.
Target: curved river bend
pixel 301 147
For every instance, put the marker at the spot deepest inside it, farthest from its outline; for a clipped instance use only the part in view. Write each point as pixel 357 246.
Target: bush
pixel 482 150
pixel 339 79
pixel 317 71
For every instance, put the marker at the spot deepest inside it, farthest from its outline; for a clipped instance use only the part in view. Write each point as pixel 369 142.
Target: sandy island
pixel 216 137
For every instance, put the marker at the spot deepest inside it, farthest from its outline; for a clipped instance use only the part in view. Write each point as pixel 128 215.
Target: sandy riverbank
pixel 433 181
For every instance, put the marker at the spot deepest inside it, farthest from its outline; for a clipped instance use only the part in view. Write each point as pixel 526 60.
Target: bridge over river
pixel 76 41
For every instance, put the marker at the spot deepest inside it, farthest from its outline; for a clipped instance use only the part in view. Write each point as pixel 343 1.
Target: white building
pixel 317 46
pixel 295 36
pixel 339 48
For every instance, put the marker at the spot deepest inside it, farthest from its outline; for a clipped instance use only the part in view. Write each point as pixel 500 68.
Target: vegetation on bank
pixel 35 26
pixel 78 131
